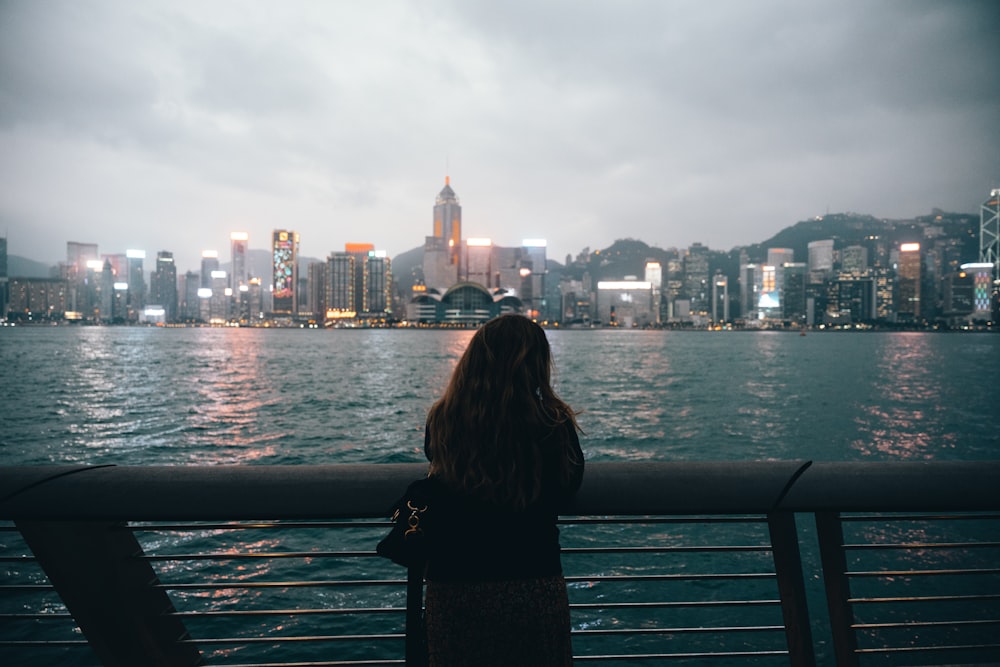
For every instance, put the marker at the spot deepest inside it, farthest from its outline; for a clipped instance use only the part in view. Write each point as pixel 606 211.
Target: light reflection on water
pixel 176 396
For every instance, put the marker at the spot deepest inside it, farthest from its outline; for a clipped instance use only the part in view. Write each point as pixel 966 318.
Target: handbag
pixel 407 545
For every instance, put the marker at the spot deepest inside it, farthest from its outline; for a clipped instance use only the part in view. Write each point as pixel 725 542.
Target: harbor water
pixel 200 396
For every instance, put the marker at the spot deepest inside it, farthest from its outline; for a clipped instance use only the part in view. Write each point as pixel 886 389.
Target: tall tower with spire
pixel 448 221
pixel 443 249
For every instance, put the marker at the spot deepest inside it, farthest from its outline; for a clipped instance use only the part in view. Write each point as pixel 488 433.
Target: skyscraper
pixel 136 284
pixel 443 249
pixel 696 278
pixel 209 263
pixel 238 248
pixel 448 221
pixel 989 233
pixel 340 286
pixel 377 284
pixel 4 285
pixel 163 285
pixel 908 282
pixel 820 260
pixel 285 264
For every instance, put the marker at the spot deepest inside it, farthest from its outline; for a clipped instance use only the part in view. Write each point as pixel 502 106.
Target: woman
pixel 505 450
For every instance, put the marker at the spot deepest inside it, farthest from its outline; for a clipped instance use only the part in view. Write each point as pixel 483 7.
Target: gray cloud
pixel 168 125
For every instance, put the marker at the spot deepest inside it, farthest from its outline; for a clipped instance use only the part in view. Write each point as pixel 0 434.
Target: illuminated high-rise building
pixel 238 242
pixel 751 279
pixel 908 278
pixel 190 307
pixel 163 285
pixel 285 245
pixel 533 269
pixel 793 295
pixel 4 283
pixel 443 249
pixel 316 290
pixel 989 233
pixel 448 221
pixel 75 270
pixel 136 284
pixel 340 286
pixel 720 298
pixel 820 260
pixel 479 261
pixel 209 263
pixel 653 274
pixel 696 278
pixel 377 284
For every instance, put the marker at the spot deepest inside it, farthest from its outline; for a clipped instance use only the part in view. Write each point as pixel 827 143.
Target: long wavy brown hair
pixel 499 424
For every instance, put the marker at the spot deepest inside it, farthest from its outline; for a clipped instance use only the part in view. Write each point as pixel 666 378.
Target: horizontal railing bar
pixel 680 631
pixel 326 583
pixel 888 517
pixel 282 639
pixel 144 527
pixel 27 588
pixel 327 663
pixel 334 663
pixel 674 604
pixel 677 656
pixel 927 649
pixel 657 520
pixel 927 598
pixel 329 492
pixel 55 616
pixel 673 577
pixel 30 643
pixel 646 550
pixel 923 624
pixel 290 612
pixel 925 545
pixel 922 573
pixel 222 556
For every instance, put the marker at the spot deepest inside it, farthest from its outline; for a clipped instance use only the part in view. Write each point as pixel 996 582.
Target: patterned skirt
pixel 521 622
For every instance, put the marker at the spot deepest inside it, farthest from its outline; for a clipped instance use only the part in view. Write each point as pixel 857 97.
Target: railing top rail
pixel 366 490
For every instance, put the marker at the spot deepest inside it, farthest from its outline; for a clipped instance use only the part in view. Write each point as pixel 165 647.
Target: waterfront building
pixel 751 279
pixel 464 304
pixel 720 299
pixel 908 282
pixel 793 296
pixel 316 290
pixel 136 280
pixel 778 257
pixel 38 298
pixel 989 233
pixel 340 301
pixel 885 297
pixel 479 262
pixel 696 278
pixel 377 285
pixel 851 298
pixel 625 303
pixel 769 298
pixel 105 286
pixel 575 302
pixel 854 260
pixel 209 263
pixel 219 298
pixel 285 246
pixel 75 272
pixel 675 283
pixel 532 271
pixel 820 260
pixel 238 243
pixel 190 302
pixel 163 285
pixel 979 277
pixel 4 283
pixel 653 274
pixel 443 248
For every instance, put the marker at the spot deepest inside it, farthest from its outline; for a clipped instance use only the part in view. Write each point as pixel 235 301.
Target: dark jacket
pixel 474 540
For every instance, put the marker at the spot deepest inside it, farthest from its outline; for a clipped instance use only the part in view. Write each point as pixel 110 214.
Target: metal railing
pixel 782 562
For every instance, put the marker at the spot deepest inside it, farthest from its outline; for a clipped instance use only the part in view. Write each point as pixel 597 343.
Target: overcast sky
pixel 167 125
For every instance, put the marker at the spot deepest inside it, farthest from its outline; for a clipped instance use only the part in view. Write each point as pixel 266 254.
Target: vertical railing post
pixel 838 590
pixel 94 566
pixel 791 588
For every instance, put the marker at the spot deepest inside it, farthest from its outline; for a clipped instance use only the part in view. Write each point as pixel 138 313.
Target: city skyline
pixel 718 123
